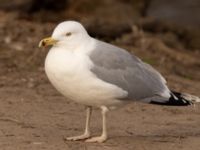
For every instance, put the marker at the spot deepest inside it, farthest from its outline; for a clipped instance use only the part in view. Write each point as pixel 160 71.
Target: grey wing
pixel 116 66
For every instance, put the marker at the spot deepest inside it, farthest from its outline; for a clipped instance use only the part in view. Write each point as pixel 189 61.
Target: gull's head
pixel 69 34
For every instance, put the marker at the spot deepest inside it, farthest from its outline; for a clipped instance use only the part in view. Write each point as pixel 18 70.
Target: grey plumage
pixel 116 66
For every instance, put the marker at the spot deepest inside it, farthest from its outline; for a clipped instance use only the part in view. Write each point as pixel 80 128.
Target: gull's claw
pixel 80 137
pixel 99 139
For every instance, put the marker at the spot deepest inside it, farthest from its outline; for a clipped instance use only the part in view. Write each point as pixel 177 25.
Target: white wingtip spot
pixel 191 97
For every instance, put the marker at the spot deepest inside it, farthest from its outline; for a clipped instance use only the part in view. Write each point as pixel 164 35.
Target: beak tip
pixel 41 44
pixel 47 42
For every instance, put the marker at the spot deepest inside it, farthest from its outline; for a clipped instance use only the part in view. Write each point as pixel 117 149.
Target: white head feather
pixel 70 34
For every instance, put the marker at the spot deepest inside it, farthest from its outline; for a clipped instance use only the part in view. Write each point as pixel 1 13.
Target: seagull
pixel 97 74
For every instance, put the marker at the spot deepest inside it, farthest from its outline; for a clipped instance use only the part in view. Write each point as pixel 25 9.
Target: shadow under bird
pixel 98 74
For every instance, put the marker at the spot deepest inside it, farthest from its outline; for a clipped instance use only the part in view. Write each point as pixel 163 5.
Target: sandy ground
pixel 34 116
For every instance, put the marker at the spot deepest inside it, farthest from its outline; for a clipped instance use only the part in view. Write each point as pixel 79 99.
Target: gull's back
pixel 117 66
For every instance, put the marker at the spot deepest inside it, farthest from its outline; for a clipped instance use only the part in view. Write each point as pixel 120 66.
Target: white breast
pixel 70 73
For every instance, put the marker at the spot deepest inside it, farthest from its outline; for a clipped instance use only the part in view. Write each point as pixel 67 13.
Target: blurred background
pixel 163 33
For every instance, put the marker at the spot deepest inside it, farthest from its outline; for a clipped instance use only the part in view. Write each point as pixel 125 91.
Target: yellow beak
pixel 47 41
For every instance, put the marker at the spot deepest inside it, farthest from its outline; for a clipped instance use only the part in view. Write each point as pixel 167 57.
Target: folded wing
pixel 116 66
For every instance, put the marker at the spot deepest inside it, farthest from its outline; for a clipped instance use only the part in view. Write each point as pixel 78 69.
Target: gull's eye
pixel 68 34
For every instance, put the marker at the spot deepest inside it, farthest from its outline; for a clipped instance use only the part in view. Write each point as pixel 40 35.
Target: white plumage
pixel 98 74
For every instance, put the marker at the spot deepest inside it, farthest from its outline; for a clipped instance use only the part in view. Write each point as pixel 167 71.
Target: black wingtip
pixel 175 100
